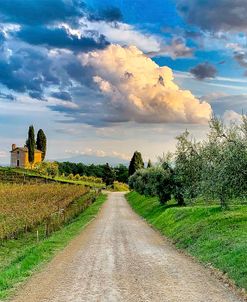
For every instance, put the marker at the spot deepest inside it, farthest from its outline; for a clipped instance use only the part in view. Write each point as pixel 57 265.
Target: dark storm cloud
pixel 61 38
pixel 27 70
pixel 26 64
pixel 228 15
pixel 8 77
pixel 203 71
pixel 88 106
pixel 37 95
pixel 192 34
pixel 81 74
pixel 34 12
pixel 241 58
pixel 111 14
pixel 7 96
pixel 32 70
pixel 2 38
pixel 62 95
pixel 64 109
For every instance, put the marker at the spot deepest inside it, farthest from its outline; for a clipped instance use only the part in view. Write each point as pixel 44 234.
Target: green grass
pixel 20 258
pixel 210 234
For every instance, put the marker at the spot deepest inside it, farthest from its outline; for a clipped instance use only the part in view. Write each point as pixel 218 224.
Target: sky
pixel 104 78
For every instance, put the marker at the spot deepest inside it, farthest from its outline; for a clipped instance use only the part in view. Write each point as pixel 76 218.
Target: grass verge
pixel 20 258
pixel 208 233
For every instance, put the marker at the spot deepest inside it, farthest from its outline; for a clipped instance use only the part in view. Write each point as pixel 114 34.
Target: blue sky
pixel 106 78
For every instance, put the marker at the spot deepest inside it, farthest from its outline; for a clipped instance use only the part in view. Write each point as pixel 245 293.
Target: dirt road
pixel 120 258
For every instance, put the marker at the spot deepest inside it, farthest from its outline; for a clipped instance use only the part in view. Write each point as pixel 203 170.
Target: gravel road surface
pixel 118 257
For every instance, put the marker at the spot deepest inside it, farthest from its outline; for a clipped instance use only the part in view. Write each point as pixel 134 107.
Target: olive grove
pixel 214 169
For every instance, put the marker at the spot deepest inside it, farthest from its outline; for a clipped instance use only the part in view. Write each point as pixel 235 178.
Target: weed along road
pixel 118 257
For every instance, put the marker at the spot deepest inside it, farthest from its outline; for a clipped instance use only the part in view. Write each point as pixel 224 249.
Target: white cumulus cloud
pixel 137 89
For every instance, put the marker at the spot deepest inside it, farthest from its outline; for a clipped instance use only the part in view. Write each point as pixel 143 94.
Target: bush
pixel 120 187
pixel 47 168
pixel 91 179
pixel 70 176
pixel 77 177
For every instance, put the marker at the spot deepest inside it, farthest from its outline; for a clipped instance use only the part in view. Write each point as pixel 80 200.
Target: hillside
pixel 15 175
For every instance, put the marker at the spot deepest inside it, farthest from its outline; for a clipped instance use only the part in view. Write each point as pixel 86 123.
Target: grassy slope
pixel 20 258
pixel 208 233
pixel 81 182
pixel 58 179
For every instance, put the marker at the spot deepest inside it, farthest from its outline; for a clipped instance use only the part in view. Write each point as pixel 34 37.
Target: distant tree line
pixel 214 169
pixel 106 172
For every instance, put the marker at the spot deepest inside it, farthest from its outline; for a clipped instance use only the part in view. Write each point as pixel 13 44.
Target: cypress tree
pixel 136 163
pixel 149 165
pixel 41 142
pixel 31 145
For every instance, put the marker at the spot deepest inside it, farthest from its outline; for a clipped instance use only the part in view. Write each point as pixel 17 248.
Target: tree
pixel 136 163
pixel 225 162
pixel 149 165
pixel 216 168
pixel 155 181
pixel 108 175
pixel 122 173
pixel 41 143
pixel 188 166
pixel 173 183
pixel 31 145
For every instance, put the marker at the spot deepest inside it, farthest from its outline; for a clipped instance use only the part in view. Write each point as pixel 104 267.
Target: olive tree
pixel 224 164
pixel 187 166
pixel 154 181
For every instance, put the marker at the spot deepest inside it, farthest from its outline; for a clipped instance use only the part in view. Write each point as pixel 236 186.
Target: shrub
pixel 47 168
pixel 120 187
pixel 70 176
